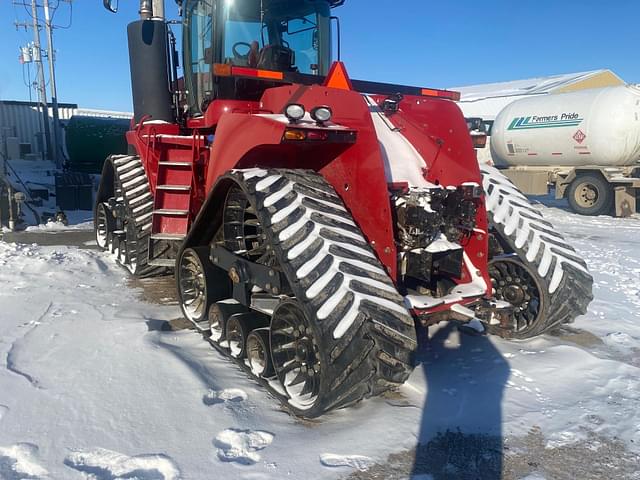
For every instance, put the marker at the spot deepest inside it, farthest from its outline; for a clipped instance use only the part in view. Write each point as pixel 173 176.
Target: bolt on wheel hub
pixel 587 195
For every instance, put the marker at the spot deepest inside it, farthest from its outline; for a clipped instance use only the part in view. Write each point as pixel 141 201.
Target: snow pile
pixel 57 226
pixel 92 384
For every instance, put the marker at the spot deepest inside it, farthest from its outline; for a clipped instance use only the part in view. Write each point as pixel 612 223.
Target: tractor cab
pixel 285 36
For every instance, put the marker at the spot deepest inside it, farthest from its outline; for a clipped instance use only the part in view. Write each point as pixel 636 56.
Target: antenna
pixel 262 22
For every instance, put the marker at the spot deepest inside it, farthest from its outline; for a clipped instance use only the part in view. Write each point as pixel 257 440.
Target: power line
pixel 50 9
pixel 53 9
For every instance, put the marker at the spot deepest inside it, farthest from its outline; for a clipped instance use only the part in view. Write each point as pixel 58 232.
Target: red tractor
pixel 312 221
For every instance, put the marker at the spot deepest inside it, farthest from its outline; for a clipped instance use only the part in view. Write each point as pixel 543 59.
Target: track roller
pixel 259 353
pixel 238 328
pixel 219 314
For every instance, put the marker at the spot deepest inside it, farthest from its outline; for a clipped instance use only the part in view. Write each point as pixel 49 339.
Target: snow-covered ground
pixel 76 220
pixel 92 384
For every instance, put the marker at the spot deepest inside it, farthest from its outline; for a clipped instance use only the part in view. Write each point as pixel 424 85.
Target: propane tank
pixel 589 127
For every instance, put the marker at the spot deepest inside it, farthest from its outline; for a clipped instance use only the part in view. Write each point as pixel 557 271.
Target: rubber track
pixel 133 186
pixel 567 284
pixel 367 335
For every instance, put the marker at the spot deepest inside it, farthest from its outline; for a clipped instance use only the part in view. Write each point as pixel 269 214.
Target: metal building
pixel 487 100
pixel 22 127
pixel 24 122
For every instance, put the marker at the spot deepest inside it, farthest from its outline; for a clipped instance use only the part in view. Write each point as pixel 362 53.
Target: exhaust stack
pixel 148 46
pixel 151 9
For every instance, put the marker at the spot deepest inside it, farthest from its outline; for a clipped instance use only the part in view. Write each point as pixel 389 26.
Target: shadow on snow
pixel 461 427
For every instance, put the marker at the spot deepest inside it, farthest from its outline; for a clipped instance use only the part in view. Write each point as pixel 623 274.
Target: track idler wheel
pixel 104 225
pixel 296 355
pixel 219 314
pixel 259 353
pixel 200 284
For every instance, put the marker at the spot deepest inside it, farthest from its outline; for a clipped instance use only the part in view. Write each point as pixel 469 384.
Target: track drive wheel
pixel 297 359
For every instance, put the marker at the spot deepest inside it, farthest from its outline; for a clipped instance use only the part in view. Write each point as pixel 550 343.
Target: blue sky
pixel 418 42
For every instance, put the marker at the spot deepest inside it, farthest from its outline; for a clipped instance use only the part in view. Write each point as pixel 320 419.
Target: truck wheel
pixel 590 195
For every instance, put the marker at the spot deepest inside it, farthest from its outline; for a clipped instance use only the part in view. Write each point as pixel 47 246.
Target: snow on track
pixel 90 384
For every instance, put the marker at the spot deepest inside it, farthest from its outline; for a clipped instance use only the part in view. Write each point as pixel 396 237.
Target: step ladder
pixel 171 211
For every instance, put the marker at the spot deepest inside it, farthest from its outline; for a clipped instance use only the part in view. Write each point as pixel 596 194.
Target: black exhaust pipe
pixel 148 47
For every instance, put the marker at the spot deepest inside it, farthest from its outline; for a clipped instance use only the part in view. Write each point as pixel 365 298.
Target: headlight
pixel 321 114
pixel 294 112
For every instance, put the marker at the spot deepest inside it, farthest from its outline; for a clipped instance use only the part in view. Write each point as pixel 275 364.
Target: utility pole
pixel 57 156
pixel 41 85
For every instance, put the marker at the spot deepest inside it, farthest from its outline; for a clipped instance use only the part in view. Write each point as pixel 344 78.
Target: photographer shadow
pixel 461 434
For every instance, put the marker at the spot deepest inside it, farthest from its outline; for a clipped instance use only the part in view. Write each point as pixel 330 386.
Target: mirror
pixel 111 5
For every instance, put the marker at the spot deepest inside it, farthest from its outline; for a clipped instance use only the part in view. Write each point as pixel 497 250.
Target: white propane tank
pixel 599 126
